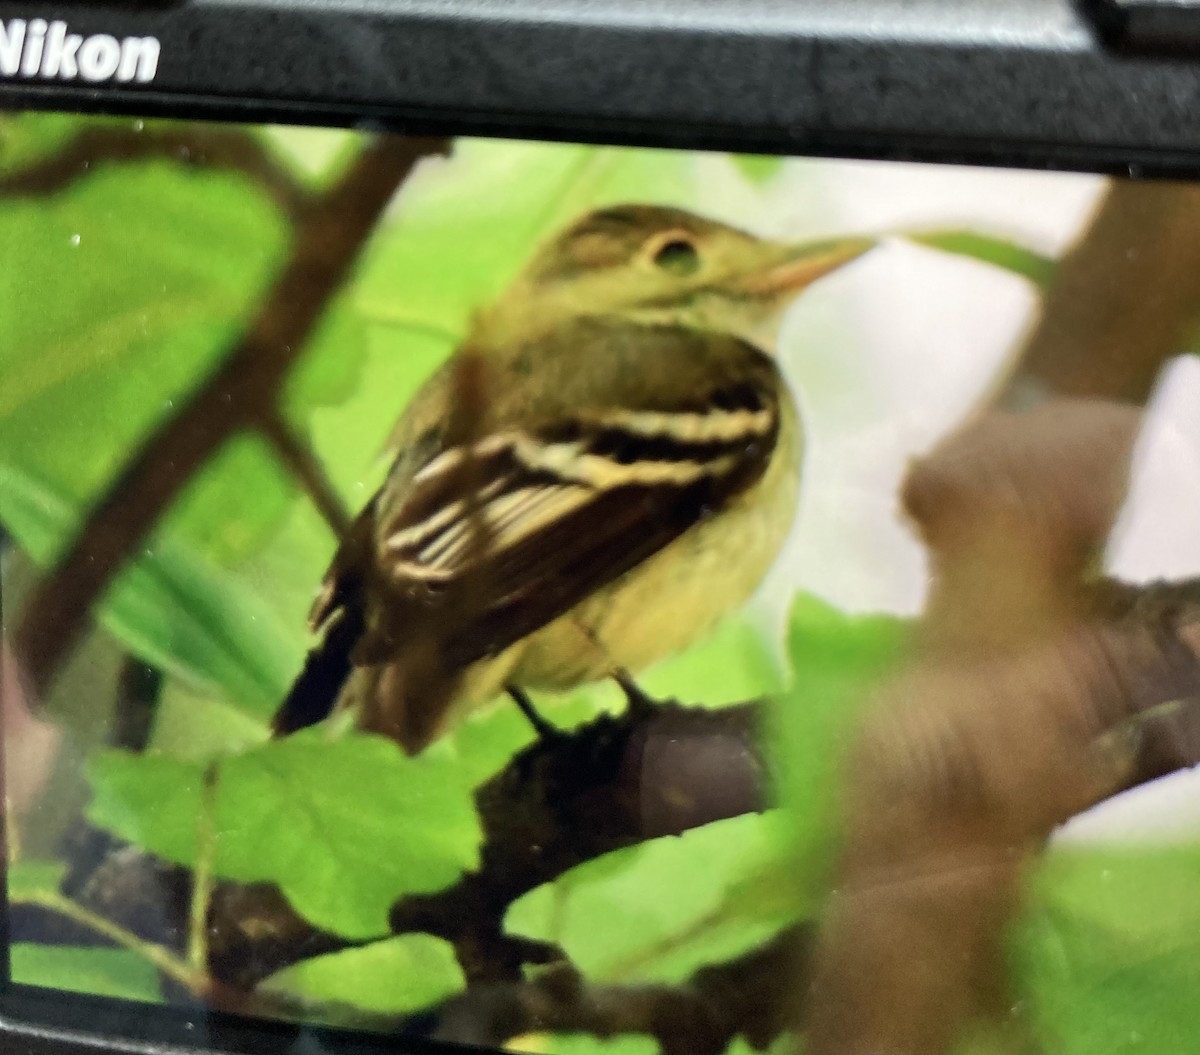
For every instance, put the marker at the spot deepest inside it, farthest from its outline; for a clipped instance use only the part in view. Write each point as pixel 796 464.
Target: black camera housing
pixel 1105 86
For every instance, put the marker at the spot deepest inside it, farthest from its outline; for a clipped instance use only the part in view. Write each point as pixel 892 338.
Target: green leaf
pixel 125 289
pixel 151 800
pixel 330 370
pixel 30 878
pixel 683 902
pixel 27 138
pixel 294 813
pixel 120 293
pixel 1108 952
pixel 586 1044
pixel 344 827
pixel 757 168
pixel 989 249
pixel 98 972
pixel 836 660
pixel 198 727
pixel 733 664
pixel 172 607
pixel 396 976
pixel 785 1044
pixel 212 516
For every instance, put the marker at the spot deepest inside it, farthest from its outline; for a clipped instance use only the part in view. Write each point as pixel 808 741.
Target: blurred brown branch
pixel 197 145
pixel 239 395
pixel 1126 298
pixel 1036 695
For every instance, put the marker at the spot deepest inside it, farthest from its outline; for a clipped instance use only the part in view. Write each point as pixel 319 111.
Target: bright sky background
pixel 889 355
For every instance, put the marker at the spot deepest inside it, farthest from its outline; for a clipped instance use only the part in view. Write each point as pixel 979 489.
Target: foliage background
pixel 121 292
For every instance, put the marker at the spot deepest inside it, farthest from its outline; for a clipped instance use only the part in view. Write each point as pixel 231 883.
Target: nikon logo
pixel 46 49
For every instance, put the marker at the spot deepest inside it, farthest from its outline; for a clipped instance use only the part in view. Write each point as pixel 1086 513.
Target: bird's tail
pixel 315 692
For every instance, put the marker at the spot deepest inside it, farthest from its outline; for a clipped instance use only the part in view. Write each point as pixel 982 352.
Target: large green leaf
pixel 120 292
pixel 99 972
pixel 344 827
pixel 683 901
pixel 151 800
pixel 836 659
pixel 585 1044
pixel 1108 952
pixel 172 607
pixel 396 976
pixel 124 290
pixel 30 878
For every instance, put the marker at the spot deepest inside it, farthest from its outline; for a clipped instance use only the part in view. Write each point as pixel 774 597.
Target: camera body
pixel 1084 85
pixel 1089 88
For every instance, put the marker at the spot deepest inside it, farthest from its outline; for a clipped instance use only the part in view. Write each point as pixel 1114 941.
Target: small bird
pixel 608 463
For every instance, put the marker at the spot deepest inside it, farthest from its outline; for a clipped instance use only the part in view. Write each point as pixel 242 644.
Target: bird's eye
pixel 678 256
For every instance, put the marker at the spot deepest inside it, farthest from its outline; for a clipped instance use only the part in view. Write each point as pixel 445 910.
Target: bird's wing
pixel 479 540
pixel 494 538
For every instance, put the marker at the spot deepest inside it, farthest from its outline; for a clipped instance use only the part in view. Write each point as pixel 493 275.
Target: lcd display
pixel 591 599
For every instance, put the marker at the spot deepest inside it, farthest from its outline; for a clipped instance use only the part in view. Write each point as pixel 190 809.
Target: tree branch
pixel 612 784
pixel 199 146
pixel 162 958
pixel 307 468
pixel 235 397
pixel 1126 298
pixel 745 997
pixel 1033 695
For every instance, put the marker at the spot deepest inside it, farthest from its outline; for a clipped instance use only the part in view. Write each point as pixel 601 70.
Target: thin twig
pixel 12 832
pixel 748 996
pixel 307 468
pixel 200 146
pixel 161 957
pixel 328 241
pixel 202 873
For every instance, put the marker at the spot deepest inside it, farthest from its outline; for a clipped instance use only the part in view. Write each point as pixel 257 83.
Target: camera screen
pixel 595 599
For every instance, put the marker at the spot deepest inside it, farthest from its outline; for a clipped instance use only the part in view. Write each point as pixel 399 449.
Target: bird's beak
pixel 790 269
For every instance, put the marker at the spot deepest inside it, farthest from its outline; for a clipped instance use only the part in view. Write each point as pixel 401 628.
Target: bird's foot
pixel 640 702
pixel 547 732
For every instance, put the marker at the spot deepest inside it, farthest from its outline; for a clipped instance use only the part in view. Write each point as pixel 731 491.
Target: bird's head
pixel 662 265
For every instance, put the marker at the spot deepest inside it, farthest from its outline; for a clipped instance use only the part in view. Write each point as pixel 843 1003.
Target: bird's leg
pixel 545 730
pixel 640 702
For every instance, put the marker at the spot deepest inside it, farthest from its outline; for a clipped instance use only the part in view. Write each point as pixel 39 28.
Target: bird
pixel 606 465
